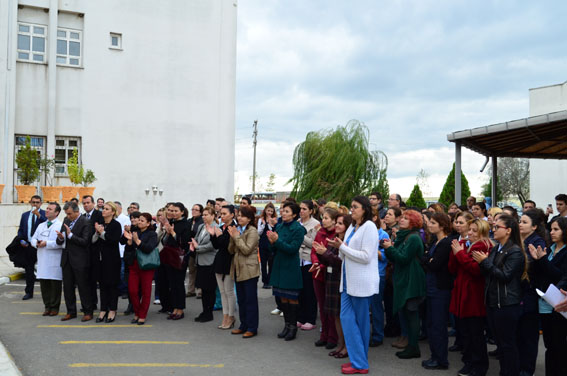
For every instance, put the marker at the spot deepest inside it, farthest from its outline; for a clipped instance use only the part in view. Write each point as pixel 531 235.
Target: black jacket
pixel 438 264
pixel 223 259
pixel 503 271
pixel 554 271
pixel 182 231
pixel 148 243
pixel 76 250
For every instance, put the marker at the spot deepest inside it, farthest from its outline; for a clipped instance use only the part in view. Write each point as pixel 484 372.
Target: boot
pixel 292 309
pixel 285 310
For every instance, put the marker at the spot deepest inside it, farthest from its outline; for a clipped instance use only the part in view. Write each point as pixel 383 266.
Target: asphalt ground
pixel 46 346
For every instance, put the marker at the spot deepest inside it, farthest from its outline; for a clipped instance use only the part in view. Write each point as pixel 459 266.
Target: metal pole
pixel 494 180
pixel 458 198
pixel 255 133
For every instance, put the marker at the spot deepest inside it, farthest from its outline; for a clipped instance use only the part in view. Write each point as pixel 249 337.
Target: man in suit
pixel 94 216
pixel 75 236
pixel 28 224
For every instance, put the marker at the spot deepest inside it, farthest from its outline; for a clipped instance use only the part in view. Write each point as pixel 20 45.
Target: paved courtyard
pixel 45 346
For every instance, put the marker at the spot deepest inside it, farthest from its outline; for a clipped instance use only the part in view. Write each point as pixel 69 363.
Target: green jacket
pixel 286 272
pixel 409 277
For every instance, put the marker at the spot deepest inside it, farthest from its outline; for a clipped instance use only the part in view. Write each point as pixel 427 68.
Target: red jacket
pixel 321 237
pixel 467 297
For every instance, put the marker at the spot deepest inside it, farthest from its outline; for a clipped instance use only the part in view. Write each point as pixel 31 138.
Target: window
pixel 115 41
pixel 69 47
pixel 31 42
pixel 64 147
pixel 37 143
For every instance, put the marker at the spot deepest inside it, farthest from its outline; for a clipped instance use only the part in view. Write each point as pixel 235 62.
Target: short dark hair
pixel 250 213
pixel 200 208
pixel 74 199
pixel 88 196
pixel 100 198
pixel 293 206
pixel 531 202
pixel 561 197
pixel 135 214
pixel 513 210
pixel 365 203
pixel 147 216
pixel 219 199
pixel 57 206
pixel 443 220
pixel 211 202
pixel 230 208
pixel 247 199
pixel 36 197
pixel 135 204
pixel 118 203
pixel 71 205
pixel 377 194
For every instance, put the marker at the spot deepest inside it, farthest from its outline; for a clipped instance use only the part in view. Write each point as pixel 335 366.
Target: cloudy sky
pixel 412 71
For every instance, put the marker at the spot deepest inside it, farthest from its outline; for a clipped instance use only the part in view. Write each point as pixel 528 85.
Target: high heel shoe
pixel 101 319
pixel 230 326
pixel 141 322
pixel 178 316
pixel 134 321
pixel 109 320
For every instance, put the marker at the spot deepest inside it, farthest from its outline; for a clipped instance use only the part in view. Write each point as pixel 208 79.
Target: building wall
pixel 547 177
pixel 159 112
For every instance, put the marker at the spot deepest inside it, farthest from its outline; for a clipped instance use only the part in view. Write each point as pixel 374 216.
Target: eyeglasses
pixel 35 202
pixel 496 227
pixel 353 207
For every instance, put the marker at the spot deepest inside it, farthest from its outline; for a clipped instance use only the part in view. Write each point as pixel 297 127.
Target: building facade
pixel 144 90
pixel 548 177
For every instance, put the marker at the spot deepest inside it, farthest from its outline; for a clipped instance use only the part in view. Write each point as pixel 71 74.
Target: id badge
pixel 330 269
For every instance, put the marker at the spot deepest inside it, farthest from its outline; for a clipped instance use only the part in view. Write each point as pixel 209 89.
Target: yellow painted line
pixel 16 276
pixel 59 314
pixel 124 342
pixel 31 302
pixel 94 326
pixel 86 365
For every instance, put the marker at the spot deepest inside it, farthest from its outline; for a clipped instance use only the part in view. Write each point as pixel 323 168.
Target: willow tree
pixel 337 164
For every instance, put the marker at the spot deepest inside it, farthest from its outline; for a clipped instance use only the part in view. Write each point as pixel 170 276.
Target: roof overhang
pixel 543 136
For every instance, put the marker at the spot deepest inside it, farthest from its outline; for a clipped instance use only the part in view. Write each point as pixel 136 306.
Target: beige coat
pixel 245 250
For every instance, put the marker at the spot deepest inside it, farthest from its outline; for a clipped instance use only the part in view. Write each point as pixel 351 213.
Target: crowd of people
pixel 365 272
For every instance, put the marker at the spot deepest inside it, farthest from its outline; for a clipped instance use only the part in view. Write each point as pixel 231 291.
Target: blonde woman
pixel 105 241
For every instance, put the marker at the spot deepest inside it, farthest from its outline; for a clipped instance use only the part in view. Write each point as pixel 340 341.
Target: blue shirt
pixel 382 263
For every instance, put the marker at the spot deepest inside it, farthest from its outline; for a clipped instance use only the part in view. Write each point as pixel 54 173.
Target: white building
pixel 144 89
pixel 548 177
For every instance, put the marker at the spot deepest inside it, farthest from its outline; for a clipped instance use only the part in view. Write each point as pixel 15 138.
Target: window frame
pixel 119 45
pixel 68 40
pixel 41 149
pixel 31 33
pixel 67 149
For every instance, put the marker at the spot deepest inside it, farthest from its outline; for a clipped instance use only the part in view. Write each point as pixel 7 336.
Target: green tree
pixel 487 192
pixel 27 160
pixel 271 182
pixel 336 164
pixel 447 195
pixel 416 198
pixel 513 178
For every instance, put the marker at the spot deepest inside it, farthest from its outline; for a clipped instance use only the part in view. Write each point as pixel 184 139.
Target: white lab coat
pixel 48 257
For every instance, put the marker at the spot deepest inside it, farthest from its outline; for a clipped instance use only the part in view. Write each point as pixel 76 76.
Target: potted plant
pixel 28 171
pixel 75 175
pixel 87 179
pixel 50 193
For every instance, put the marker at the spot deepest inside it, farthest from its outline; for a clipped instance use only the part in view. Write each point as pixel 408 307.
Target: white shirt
pixel 124 220
pixel 48 257
pixel 360 261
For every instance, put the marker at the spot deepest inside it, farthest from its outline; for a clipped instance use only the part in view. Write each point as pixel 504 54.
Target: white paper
pixel 553 297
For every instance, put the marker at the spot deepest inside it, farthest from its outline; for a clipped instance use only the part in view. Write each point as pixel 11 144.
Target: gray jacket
pixel 205 251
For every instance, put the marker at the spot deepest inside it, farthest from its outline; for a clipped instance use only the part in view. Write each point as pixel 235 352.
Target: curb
pixel 11 278
pixel 7 365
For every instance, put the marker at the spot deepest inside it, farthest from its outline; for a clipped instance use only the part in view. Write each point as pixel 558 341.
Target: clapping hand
pixel 386 243
pixel 135 238
pixel 193 245
pixel 233 231
pixel 273 221
pixel 456 246
pixel 336 242
pixel 319 248
pixel 537 253
pixel 36 212
pixel 41 244
pixel 315 268
pixel 479 256
pixel 67 229
pixel 98 227
pixel 272 237
pixel 59 235
pixel 218 231
pixel 210 229
pixel 127 235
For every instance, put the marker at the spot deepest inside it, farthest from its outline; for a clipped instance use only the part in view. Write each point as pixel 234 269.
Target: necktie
pixel 88 216
pixel 33 220
pixel 49 223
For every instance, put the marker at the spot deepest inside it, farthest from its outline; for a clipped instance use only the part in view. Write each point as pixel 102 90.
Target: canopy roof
pixel 543 136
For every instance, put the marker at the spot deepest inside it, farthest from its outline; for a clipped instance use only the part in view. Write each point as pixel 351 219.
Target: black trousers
pixel 163 286
pixel 475 354
pixel 174 281
pixel 94 273
pixel 30 278
pixel 266 261
pixel 437 318
pixel 109 297
pixel 307 312
pixel 555 340
pixel 505 321
pixel 528 341
pixel 51 294
pixel 80 278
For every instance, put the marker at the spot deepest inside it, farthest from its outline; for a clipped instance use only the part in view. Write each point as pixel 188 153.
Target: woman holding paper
pixel 550 266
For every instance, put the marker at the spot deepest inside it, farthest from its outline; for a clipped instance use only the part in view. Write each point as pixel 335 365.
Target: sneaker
pixel 465 371
pixel 157 301
pixel 275 312
pixel 308 326
pixel 281 314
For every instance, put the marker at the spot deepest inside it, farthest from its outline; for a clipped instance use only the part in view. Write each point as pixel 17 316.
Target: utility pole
pixel 254 134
